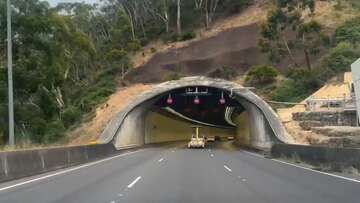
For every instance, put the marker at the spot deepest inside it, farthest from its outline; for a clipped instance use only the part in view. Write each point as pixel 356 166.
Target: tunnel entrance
pixel 172 116
pixel 224 108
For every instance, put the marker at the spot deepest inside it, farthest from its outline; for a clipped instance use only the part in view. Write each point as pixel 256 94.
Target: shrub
pixel 134 45
pixel 348 32
pixel 170 37
pixel 290 91
pixel 225 72
pixel 38 129
pixel 153 49
pixel 55 131
pixel 188 35
pixel 70 115
pixel 340 58
pixel 261 74
pixel 234 6
pixel 172 76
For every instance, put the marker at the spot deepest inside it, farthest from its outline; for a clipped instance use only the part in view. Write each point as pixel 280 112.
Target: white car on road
pixel 196 140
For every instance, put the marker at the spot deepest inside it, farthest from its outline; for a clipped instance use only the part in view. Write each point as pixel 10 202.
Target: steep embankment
pixel 234 48
pixel 89 131
pixel 232 42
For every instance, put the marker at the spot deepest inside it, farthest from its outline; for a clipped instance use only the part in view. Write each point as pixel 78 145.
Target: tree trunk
pixel 289 51
pixel 166 21
pixel 307 57
pixel 143 29
pixel 207 23
pixel 128 13
pixel 122 71
pixel 179 33
pixel 132 28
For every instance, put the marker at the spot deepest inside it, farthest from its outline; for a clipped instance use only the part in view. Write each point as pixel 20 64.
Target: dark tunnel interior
pixel 204 104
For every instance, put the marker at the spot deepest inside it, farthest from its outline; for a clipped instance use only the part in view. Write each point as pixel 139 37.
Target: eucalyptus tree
pixel 160 8
pixel 311 39
pixel 287 17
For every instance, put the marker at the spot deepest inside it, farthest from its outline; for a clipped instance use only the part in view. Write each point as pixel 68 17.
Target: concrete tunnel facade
pixel 257 126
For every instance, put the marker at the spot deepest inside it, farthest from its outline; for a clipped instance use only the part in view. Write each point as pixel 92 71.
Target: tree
pixel 161 9
pixel 261 74
pixel 52 57
pixel 340 57
pixel 178 17
pixel 119 58
pixel 210 9
pixel 310 39
pixel 287 17
pixel 349 32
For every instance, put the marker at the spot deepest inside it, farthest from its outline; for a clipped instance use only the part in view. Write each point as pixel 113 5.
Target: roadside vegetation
pixel 326 53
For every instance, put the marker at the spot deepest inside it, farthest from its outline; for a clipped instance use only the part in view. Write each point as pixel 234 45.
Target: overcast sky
pixel 55 2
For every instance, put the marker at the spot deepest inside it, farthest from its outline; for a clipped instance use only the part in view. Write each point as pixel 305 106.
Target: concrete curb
pixel 335 158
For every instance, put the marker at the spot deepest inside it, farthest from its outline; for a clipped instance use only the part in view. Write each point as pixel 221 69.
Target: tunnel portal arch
pixel 258 126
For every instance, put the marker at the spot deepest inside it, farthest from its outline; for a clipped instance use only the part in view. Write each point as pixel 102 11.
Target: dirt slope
pixel 89 131
pixel 235 48
pixel 230 42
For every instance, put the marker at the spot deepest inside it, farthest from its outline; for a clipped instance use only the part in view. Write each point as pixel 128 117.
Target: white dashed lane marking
pixel 134 182
pixel 63 172
pixel 227 168
pixel 160 160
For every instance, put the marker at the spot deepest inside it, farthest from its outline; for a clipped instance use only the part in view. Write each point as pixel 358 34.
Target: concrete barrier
pixel 18 164
pixel 335 158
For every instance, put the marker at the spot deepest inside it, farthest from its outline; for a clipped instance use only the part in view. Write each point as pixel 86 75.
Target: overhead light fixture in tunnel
pixel 196 100
pixel 222 99
pixel 169 100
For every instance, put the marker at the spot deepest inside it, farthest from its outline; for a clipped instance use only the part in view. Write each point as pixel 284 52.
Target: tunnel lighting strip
pixel 195 121
pixel 228 113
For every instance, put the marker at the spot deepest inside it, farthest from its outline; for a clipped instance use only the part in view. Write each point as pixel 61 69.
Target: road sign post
pixel 10 76
pixel 355 71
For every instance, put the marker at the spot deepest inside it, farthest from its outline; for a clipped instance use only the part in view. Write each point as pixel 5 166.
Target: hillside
pixel 230 42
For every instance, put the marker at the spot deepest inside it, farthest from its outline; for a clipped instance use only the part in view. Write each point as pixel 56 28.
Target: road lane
pixel 190 175
pixel 92 184
pixel 222 174
pixel 279 182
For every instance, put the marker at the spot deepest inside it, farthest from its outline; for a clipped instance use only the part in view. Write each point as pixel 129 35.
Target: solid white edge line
pixel 309 169
pixel 134 182
pixel 254 154
pixel 66 171
pixel 227 168
pixel 305 168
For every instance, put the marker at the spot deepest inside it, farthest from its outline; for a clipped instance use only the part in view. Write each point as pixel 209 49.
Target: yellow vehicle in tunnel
pixel 196 141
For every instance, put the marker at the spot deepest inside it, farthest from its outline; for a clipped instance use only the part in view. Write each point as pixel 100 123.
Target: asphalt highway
pixel 175 174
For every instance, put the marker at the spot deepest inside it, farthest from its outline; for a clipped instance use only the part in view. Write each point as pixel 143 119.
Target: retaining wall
pixel 314 119
pixel 335 158
pixel 18 164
